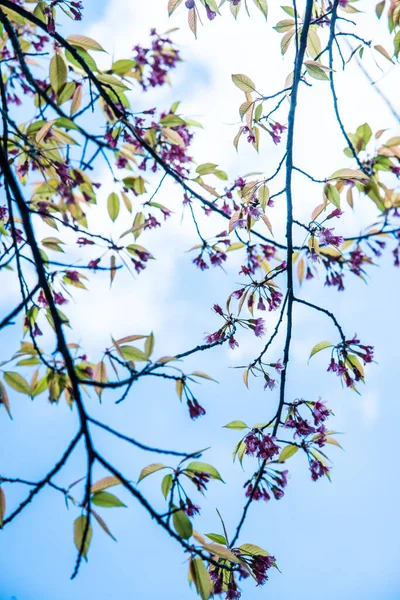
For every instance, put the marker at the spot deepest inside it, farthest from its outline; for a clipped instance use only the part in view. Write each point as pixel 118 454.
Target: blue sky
pixel 331 540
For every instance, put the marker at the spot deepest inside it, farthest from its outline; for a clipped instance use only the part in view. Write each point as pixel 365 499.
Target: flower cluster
pixel 227 331
pixel 153 64
pixel 345 361
pixel 261 294
pixel 311 436
pixel 261 445
pixel 272 483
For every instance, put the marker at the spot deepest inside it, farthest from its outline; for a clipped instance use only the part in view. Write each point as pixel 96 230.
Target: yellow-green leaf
pixel 113 204
pixel 201 578
pixel 153 468
pixel 253 550
pixel 83 534
pixel 107 500
pixel 287 452
pixel 17 382
pixel 104 484
pixel 182 524
pixel 236 425
pixel 200 467
pixel 87 43
pixel 58 72
pixel 244 83
pixel 263 6
pixel 319 347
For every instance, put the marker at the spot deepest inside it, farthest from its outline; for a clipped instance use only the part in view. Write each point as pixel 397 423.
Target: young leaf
pixel 100 375
pixel 216 537
pixel 263 6
pixel 173 5
pixel 17 382
pixel 4 399
pixel 200 467
pixel 320 346
pixel 166 484
pixel 83 534
pixel 113 204
pixel 287 452
pixel 132 353
pixel 58 72
pixel 103 524
pixel 201 577
pixel 87 43
pixel 203 375
pixel 150 469
pixel 149 345
pixel 244 83
pixel 2 506
pixel 104 484
pixel 301 267
pixel 236 425
pixel 384 53
pixel 253 550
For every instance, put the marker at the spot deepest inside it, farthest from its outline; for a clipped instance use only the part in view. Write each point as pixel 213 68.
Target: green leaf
pixel 58 72
pixel 206 168
pixel 200 467
pixel 40 387
pixel 132 353
pixel 150 469
pixel 253 550
pixel 107 500
pixel 353 174
pixel 284 25
pixel 112 82
pixel 166 484
pixel 216 537
pixel 28 362
pixel 287 452
pixel 316 71
pixel 66 92
pixel 364 132
pixel 182 524
pixel 236 425
pixel 85 56
pixel 244 83
pixel 121 67
pixel 113 205
pixel 201 578
pixel 17 382
pixel 320 346
pixel 313 43
pixel 332 195
pixel 172 121
pixel 83 534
